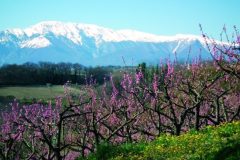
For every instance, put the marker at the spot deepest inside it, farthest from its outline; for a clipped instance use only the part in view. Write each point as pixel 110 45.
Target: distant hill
pixel 93 45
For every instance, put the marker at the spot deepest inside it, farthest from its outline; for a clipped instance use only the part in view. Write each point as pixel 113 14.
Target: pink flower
pixel 170 68
pixel 6 128
pixel 113 119
pixel 48 112
pixel 138 76
pixel 124 81
pixel 17 136
pixel 238 40
pixel 118 139
pixel 72 155
pixel 155 83
pixel 38 134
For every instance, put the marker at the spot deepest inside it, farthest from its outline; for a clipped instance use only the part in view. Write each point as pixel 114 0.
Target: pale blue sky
pixel 163 17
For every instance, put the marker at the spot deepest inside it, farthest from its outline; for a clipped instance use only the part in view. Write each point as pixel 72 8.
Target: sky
pixel 162 17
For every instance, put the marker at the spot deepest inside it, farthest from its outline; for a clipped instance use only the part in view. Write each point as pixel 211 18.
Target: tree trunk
pixel 197 118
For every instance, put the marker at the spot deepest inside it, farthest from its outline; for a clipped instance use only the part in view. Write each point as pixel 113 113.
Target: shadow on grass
pixel 229 153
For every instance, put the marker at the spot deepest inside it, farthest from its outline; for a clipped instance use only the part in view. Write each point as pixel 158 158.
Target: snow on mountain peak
pixel 76 31
pixel 38 42
pixel 90 44
pixel 17 32
pixel 67 30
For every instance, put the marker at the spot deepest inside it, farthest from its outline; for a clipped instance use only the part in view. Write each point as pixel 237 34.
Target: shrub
pixel 222 142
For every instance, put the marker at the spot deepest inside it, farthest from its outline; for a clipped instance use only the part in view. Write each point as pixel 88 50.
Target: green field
pixel 37 92
pixel 28 93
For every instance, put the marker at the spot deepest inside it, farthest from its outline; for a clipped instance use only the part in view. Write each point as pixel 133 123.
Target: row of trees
pixel 44 72
pixel 174 101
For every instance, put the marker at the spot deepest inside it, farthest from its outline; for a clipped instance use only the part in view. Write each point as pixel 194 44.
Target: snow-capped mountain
pixel 93 45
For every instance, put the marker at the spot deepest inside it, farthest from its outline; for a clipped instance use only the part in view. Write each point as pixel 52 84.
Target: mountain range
pixel 92 45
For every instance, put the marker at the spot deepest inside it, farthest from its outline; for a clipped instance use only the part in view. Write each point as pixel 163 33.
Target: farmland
pixel 30 92
pixel 33 94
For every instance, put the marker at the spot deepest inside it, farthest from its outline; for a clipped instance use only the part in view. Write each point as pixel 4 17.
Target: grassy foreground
pixel 213 143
